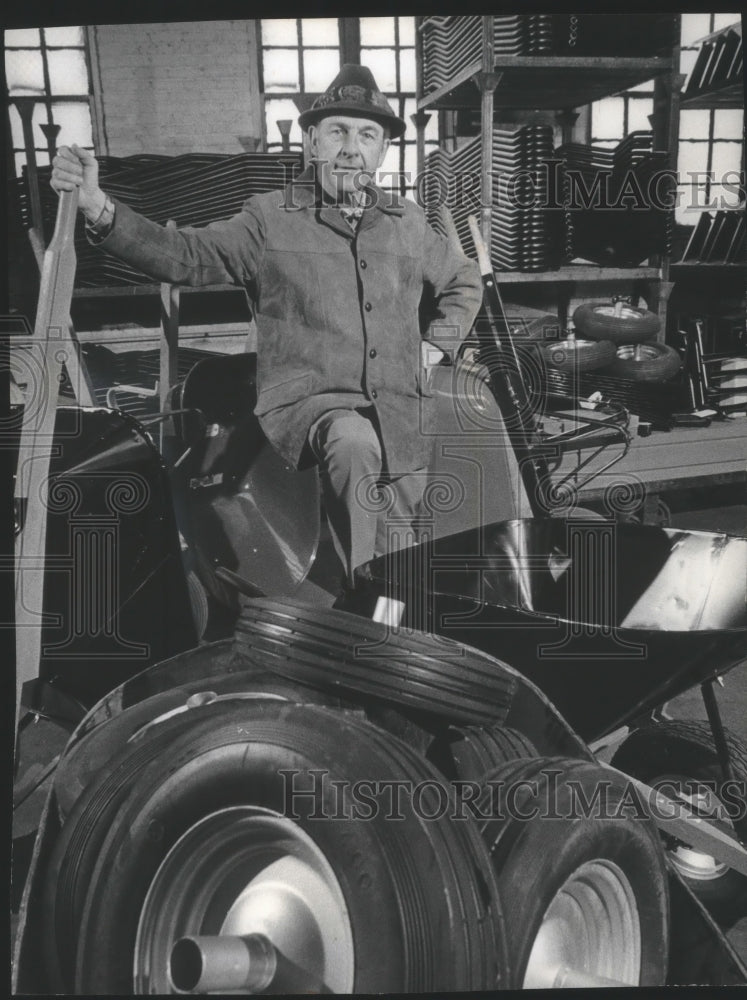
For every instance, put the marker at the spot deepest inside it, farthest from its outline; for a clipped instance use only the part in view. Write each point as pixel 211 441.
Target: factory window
pixel 710 153
pixel 300 57
pixel 49 84
pixel 711 148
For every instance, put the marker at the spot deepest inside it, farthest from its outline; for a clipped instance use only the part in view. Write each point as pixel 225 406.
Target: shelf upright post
pixel 169 347
pixel 665 128
pixel 487 80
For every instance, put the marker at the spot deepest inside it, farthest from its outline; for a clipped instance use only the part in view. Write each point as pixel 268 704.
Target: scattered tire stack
pixel 618 339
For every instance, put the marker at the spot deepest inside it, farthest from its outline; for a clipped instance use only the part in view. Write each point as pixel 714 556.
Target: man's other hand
pixel 75 167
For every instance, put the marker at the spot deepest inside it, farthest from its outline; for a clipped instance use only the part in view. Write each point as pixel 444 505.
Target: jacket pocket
pixel 290 390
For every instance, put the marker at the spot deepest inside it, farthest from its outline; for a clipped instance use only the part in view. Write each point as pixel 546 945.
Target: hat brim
pixel 395 125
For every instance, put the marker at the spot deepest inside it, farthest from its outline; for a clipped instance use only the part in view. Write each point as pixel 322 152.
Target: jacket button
pixel 364 265
pixel 368 307
pixel 374 394
pixel 372 353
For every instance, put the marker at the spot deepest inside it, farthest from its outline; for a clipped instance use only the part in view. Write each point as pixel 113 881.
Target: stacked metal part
pixel 617 201
pixel 526 232
pixel 719 67
pixel 652 402
pixel 193 189
pixel 452 179
pixel 450 43
pixel 717 239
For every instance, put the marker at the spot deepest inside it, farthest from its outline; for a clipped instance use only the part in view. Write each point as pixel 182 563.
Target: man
pixel 346 283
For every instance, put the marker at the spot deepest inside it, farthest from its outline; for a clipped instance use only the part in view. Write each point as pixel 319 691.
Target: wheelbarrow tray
pixel 609 620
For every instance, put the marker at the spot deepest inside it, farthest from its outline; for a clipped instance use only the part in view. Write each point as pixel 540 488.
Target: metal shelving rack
pixel 562 84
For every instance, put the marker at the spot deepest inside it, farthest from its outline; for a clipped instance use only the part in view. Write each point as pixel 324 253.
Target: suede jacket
pixel 340 314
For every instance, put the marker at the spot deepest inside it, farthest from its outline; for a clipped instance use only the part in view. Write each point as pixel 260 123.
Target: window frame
pixel 47 99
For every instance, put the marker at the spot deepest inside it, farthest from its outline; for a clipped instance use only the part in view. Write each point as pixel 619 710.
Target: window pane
pixel 431 128
pixel 407 31
pixel 280 31
pixel 686 213
pixel 16 132
pixel 24 72
pixel 724 20
pixel 72 35
pixel 728 123
pixel 693 157
pixel 320 67
pixel 694 124
pixel 20 159
pixel 727 156
pixel 22 36
pixel 411 163
pixel 75 122
pixel 607 118
pixel 377 31
pixel 382 65
pixel 638 112
pixel 410 108
pixel 68 73
pixel 39 115
pixel 320 31
pixel 407 69
pixel 391 163
pixel 694 26
pixel 280 68
pixel 688 58
pixel 278 109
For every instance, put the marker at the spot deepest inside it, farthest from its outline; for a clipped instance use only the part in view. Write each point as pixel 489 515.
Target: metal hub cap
pixel 703 801
pixel 626 312
pixel 638 352
pixel 590 934
pixel 246 871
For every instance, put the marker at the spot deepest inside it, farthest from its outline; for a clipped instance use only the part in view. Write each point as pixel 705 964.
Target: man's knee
pixel 349 437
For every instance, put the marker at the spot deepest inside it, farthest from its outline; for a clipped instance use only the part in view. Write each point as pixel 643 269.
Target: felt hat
pixel 354 92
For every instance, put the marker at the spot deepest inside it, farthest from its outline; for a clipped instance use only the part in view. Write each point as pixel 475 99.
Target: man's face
pixel 348 152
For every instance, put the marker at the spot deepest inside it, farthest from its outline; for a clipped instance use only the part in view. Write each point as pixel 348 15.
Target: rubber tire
pixel 686 748
pixel 467 753
pixel 532 858
pixel 83 762
pixel 74 855
pixel 325 648
pixel 198 602
pixel 618 329
pixel 588 356
pixel 660 368
pixel 423 914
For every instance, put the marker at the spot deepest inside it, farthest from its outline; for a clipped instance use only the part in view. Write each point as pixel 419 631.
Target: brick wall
pixel 176 88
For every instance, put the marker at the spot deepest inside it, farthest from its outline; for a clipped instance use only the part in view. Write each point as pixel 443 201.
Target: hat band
pixel 354 94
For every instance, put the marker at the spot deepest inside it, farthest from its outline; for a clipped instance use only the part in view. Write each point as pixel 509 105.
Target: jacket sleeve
pixel 223 252
pixel 453 292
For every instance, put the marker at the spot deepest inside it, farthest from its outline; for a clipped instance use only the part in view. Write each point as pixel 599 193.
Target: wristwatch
pixel 104 221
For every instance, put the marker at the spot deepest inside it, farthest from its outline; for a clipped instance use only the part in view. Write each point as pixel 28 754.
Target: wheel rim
pixel 638 352
pixel 573 346
pixel 627 312
pixel 242 871
pixel 590 934
pixel 692 864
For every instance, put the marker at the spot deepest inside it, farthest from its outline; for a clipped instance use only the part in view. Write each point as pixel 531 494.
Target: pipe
pixel 222 962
